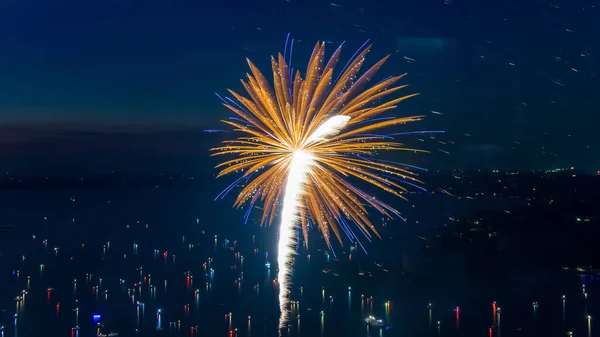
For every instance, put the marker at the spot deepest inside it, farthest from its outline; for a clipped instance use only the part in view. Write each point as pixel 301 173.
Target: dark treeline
pixel 96 181
pixel 559 227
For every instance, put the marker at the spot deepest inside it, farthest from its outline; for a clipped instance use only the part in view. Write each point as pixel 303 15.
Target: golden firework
pixel 280 120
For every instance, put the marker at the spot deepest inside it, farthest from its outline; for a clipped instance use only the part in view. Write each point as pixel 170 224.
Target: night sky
pixel 93 85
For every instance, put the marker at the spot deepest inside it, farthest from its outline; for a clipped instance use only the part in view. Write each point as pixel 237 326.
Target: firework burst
pixel 304 139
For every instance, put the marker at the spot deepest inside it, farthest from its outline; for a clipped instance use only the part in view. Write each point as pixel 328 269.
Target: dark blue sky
pixel 516 81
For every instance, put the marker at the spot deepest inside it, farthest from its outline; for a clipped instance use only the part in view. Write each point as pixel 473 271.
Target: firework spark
pixel 304 139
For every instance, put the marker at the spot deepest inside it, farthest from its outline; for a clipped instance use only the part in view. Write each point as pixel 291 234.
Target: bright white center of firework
pixel 299 167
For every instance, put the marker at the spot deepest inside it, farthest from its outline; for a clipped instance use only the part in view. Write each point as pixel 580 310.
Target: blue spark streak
pixel 342 224
pixel 356 240
pixel 375 120
pixel 381 204
pixel 361 230
pixel 286 44
pixel 348 230
pixel 238 120
pixel 398 179
pixel 375 135
pixel 239 106
pixel 247 215
pixel 229 188
pixel 331 248
pixel 290 62
pixel 385 79
pixel 350 60
pixel 221 98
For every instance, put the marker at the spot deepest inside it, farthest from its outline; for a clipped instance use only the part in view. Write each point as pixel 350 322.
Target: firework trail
pixel 304 139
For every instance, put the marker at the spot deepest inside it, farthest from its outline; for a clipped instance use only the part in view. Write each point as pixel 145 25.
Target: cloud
pixel 81 140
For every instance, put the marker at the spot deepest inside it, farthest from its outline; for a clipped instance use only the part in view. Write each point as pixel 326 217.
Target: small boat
pixel 372 321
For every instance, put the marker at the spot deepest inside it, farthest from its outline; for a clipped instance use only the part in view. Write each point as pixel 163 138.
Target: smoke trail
pixel 299 167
